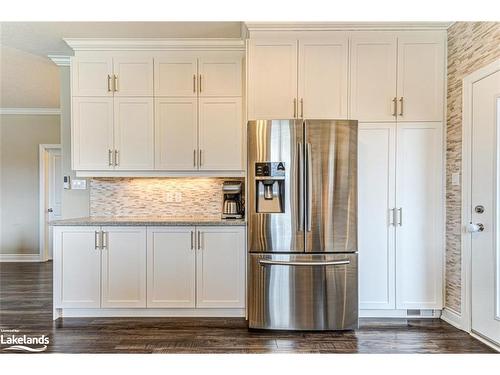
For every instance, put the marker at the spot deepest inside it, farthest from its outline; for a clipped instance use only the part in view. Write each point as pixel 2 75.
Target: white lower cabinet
pixel 77 267
pixel 400 215
pixel 123 267
pixel 171 267
pixel 220 267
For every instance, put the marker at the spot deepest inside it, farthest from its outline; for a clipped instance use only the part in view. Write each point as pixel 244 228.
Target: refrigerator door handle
pixel 264 262
pixel 309 186
pixel 300 192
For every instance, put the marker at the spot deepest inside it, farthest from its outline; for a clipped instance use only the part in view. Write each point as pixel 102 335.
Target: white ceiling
pixel 44 38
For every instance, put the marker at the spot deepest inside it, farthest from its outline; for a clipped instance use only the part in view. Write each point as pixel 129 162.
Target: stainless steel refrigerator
pixel 302 212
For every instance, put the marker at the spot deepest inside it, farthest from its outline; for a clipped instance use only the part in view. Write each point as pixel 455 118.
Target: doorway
pixel 51 184
pixel 481 205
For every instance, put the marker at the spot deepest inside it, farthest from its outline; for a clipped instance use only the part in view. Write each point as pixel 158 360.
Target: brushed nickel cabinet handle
pixel 394 106
pixel 401 106
pixel 400 221
pixel 194 82
pixel 199 84
pixel 194 158
pixel 199 240
pixel 109 83
pixel 117 161
pixel 96 240
pixel 110 157
pixel 192 241
pixel 115 82
pixel 104 245
pixel 201 159
pixel 302 107
pixel 294 107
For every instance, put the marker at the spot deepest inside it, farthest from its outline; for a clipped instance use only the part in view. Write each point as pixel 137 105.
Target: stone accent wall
pixel 201 197
pixel 471 45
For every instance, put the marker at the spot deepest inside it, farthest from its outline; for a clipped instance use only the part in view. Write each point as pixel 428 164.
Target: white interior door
pixel 171 267
pixel 124 267
pixel 486 193
pixel 176 134
pixel 54 196
pixel 272 79
pixel 376 201
pixel 134 133
pixel 323 73
pixel 373 76
pixel 220 131
pixel 419 201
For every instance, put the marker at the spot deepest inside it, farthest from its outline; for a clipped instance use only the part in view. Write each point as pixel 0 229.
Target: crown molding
pixel 60 60
pixel 122 44
pixel 30 111
pixel 330 26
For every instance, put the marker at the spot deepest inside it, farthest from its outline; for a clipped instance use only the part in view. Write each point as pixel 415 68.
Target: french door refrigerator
pixel 302 212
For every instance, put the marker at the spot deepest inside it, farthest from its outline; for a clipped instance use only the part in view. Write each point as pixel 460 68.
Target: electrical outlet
pixel 178 196
pixel 78 184
pixel 455 179
pixel 170 197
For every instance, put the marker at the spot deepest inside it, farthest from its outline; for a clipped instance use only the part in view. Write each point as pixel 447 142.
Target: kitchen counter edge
pixel 87 221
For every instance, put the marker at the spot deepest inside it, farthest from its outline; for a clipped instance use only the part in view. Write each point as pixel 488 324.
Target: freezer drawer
pixel 303 292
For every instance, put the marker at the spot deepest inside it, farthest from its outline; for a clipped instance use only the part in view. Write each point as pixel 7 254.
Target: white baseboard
pixel 452 317
pixel 20 258
pixel 154 312
pixel 426 314
pixel 486 342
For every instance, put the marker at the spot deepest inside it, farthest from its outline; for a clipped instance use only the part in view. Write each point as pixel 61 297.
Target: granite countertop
pixel 147 221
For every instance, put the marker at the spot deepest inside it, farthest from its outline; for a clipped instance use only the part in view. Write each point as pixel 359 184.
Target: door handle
pixel 199 83
pixel 200 158
pixel 117 161
pixel 109 83
pixel 199 240
pixel 104 240
pixel 294 107
pixel 394 106
pixel 115 82
pixel 96 240
pixel 194 158
pixel 302 107
pixel 400 216
pixel 300 193
pixel 194 83
pixel 401 106
pixel 50 210
pixel 110 157
pixel 192 240
pixel 472 228
pixel 392 216
pixel 298 264
pixel 309 186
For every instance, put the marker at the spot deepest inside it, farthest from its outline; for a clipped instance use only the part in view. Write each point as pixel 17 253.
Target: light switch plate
pixel 455 179
pixel 78 184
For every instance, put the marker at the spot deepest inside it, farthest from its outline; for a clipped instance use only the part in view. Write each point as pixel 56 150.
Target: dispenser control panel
pixel 270 169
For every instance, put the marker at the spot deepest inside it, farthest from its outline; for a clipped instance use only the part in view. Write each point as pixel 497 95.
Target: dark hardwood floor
pixel 26 305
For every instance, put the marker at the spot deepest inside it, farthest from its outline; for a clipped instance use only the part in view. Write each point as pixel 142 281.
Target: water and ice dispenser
pixel 270 187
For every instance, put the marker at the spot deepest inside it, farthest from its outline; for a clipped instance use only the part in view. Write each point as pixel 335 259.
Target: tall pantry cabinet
pixel 392 82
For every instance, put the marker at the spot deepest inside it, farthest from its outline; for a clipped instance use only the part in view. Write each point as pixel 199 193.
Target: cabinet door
pixel 77 267
pixel 91 76
pixel 323 73
pixel 171 267
pixel 220 140
pixel 176 74
pixel 133 133
pixel 220 74
pixel 373 76
pixel 421 71
pixel 176 134
pixel 419 244
pixel 220 267
pixel 124 267
pixel 272 79
pixel 133 76
pixel 92 133
pixel 376 200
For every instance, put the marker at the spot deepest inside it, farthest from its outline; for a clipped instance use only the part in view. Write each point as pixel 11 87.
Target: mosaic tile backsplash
pixel 149 197
pixel 471 45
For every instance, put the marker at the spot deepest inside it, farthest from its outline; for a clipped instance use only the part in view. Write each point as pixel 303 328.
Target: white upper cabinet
pixel 272 79
pixel 220 134
pixel 373 76
pixel 323 72
pixel 171 267
pixel 176 134
pixel 91 76
pixel 92 133
pixel 133 76
pixel 124 267
pixel 419 235
pixel 77 263
pixel 176 74
pixel 376 227
pixel 220 74
pixel 133 133
pixel 421 74
pixel 220 267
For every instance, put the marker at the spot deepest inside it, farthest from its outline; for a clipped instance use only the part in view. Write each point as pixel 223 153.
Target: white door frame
pixel 466 290
pixel 43 150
